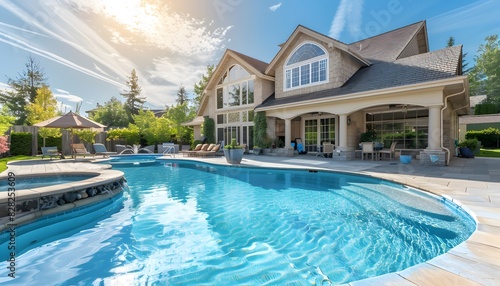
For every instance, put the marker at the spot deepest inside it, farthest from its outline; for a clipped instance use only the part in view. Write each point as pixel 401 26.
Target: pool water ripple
pixel 186 224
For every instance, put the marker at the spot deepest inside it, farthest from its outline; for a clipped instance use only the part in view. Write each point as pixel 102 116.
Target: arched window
pixel 307 65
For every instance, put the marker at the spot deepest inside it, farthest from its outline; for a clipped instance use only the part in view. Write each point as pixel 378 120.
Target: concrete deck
pixel 472 183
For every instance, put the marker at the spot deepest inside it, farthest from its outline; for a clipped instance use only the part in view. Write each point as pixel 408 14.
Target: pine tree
pixel 484 77
pixel 465 64
pixel 134 100
pixel 24 90
pixel 181 96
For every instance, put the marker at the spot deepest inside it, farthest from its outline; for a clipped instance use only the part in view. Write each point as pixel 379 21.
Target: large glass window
pixel 327 130
pixel 311 134
pixel 307 65
pixel 236 90
pixel 408 128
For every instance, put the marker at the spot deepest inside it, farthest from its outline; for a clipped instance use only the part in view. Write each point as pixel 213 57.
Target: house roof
pixel 331 41
pixel 440 64
pixel 389 46
pixel 254 66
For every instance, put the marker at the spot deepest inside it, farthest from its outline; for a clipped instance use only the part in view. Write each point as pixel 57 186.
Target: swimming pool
pixel 186 223
pixel 30 182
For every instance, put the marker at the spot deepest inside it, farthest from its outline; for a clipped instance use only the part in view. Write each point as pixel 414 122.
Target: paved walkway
pixel 472 183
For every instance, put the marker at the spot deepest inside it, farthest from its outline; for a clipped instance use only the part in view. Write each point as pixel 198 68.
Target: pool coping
pixel 101 176
pixel 475 261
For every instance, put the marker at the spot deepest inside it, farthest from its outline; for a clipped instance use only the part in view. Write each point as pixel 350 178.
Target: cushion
pixel 198 147
pixel 216 148
pixel 205 147
pixel 211 147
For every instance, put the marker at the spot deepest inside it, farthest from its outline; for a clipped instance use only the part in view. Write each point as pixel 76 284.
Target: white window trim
pixel 299 64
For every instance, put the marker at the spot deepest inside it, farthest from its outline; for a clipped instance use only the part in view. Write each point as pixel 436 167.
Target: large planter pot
pixel 233 156
pixel 466 153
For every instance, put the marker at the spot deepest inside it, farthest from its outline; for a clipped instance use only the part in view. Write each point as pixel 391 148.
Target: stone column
pixel 434 132
pixel 288 132
pixel 342 132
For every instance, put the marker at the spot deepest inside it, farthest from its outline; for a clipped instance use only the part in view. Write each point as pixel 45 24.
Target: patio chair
pixel 80 150
pixel 367 148
pixel 391 151
pixel 328 150
pixel 100 149
pixel 51 152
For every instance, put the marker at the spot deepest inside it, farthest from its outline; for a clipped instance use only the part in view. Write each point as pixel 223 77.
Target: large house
pixel 322 90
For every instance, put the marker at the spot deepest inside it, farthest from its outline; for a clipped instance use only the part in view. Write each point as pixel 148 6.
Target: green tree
pixel 43 108
pixel 112 114
pixel 484 77
pixel 134 100
pixel 23 90
pixel 181 96
pixel 465 64
pixel 201 85
pixel 178 115
pixel 6 120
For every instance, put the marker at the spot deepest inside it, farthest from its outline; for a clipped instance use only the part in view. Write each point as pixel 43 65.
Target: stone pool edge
pixel 99 178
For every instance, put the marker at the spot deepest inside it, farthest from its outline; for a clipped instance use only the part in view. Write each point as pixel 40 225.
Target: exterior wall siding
pixel 411 49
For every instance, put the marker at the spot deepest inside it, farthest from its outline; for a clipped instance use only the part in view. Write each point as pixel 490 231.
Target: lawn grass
pixel 489 153
pixel 3 161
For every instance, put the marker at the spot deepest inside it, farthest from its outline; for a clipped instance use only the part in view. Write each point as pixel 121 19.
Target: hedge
pixel 209 129
pixel 49 142
pixel 489 137
pixel 485 108
pixel 20 143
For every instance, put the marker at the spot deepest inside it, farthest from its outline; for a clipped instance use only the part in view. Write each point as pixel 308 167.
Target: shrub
pixel 468 143
pixel 485 108
pixel 209 129
pixel 488 137
pixel 260 130
pixel 4 147
pixel 20 143
pixel 50 141
pixel 86 135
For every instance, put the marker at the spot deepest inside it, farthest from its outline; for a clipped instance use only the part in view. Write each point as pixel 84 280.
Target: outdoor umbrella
pixel 69 120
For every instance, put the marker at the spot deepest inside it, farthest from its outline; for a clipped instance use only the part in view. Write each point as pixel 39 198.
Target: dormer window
pixel 308 65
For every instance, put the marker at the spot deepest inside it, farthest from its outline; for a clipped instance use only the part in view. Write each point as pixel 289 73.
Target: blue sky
pixel 88 47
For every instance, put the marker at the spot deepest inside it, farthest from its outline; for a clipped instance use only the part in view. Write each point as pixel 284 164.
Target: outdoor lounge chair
pixel 80 150
pixel 209 152
pixel 51 152
pixel 198 148
pixel 100 149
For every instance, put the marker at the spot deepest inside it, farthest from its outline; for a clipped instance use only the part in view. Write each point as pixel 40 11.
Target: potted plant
pixel 233 152
pixel 467 147
pixel 257 150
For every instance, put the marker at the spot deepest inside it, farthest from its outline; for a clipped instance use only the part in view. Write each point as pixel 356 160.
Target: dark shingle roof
pixel 440 64
pixel 387 46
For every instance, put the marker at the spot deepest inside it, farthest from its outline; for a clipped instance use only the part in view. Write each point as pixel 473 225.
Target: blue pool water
pixel 190 223
pixel 38 182
pixel 132 160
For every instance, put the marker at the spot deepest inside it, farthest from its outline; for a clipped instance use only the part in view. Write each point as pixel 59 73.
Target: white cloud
pixel 275 7
pixel 159 26
pixel 348 13
pixel 68 97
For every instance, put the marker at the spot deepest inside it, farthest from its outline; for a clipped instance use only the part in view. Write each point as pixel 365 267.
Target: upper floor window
pixel 236 88
pixel 234 73
pixel 306 66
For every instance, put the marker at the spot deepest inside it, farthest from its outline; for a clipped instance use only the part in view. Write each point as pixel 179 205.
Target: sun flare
pixel 133 14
